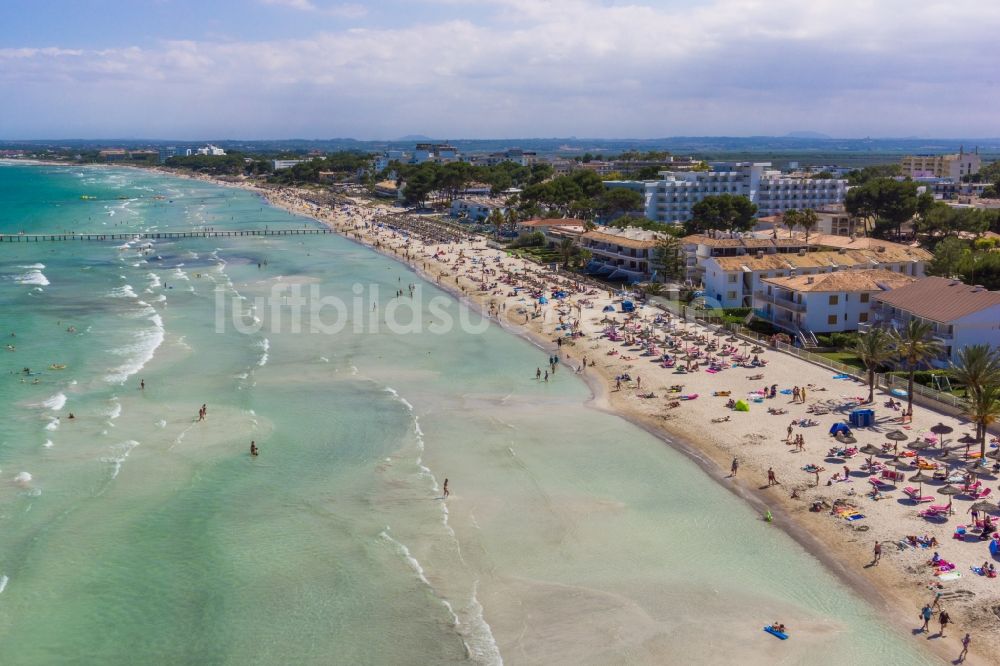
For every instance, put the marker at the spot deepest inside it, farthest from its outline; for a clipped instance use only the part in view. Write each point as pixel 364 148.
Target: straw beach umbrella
pixel 950 491
pixel 984 505
pixel 920 478
pixel 870 451
pixel 897 436
pixel 941 430
pixel 968 440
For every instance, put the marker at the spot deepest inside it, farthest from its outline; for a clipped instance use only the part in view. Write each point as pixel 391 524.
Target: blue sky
pixel 187 69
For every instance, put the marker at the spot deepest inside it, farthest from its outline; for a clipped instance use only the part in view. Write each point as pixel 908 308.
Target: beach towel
pixel 951 575
pixel 785 391
pixel 841 376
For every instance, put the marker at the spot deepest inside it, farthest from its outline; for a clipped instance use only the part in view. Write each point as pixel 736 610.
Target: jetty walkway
pixel 160 235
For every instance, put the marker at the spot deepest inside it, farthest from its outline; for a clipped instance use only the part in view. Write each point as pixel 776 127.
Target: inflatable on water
pixel 777 634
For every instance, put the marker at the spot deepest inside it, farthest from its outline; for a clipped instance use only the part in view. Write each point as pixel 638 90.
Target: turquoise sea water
pixel 133 533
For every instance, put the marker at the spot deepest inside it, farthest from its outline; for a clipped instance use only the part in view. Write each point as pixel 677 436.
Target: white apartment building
pixel 962 314
pixel 381 162
pixel 670 200
pixel 731 282
pixel 953 167
pixel 434 152
pixel 624 255
pixel 278 165
pixel 825 303
pixel 209 149
pixel 475 209
pixel 515 155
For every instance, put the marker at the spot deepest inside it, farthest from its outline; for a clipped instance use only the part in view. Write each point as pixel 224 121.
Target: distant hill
pixel 414 137
pixel 807 134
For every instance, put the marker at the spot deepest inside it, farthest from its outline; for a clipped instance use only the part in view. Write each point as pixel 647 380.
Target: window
pixel 732 278
pixel 863 317
pixel 731 295
pixel 832 320
pixel 864 297
pixel 834 299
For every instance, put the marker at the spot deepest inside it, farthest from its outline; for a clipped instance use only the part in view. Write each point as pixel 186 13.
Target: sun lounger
pixel 983 494
pixel 929 513
pixel 943 508
pixel 876 482
pixel 912 493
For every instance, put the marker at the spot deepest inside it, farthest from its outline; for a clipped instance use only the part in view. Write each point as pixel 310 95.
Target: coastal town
pixel 837 445
pixel 848 373
pixel 576 332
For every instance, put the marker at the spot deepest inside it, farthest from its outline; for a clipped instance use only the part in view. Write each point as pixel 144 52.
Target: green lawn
pixel 847 358
pixel 540 254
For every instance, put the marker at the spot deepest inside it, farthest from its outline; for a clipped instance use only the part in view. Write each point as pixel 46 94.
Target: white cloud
pixel 563 67
pixel 304 5
pixel 345 10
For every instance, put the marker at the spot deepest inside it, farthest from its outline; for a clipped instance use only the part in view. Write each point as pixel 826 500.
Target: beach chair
pixel 983 494
pixel 912 493
pixel 941 508
pixel 930 513
pixel 877 483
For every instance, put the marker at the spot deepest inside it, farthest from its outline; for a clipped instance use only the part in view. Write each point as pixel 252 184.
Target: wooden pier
pixel 161 235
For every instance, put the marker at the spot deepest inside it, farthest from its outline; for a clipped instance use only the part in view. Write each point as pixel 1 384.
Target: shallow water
pixel 135 534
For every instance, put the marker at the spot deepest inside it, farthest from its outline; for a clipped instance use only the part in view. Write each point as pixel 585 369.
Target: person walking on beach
pixel 538 373
pixel 142 384
pixel 802 394
pixel 878 554
pixel 965 647
pixel 788 438
pixel 546 375
pixel 795 394
pixel 638 382
pixel 253 449
pixel 446 491
pixel 733 468
pixel 925 614
pixel 944 619
pixel 772 480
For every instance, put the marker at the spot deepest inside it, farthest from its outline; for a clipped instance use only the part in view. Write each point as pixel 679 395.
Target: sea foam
pixel 33 276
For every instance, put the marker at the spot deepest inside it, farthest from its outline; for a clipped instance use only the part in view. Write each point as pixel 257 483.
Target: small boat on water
pixel 87 197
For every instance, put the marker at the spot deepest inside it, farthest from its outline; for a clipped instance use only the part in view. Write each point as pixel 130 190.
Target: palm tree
pixel 874 349
pixel 808 219
pixel 978 370
pixel 791 218
pixel 496 219
pixel 984 410
pixel 567 249
pixel 914 347
pixel 978 367
pixel 653 289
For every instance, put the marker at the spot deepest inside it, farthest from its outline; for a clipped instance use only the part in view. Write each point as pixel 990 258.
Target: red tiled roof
pixel 940 299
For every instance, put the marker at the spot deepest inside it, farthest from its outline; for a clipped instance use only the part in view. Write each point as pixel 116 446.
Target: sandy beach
pixel 713 435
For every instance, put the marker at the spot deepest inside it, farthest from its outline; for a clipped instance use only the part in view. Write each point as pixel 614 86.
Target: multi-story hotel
pixel 671 199
pixel 942 166
pixel 621 254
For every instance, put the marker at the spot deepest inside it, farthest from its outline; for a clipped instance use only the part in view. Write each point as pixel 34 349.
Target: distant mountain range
pixel 807 134
pixel 807 147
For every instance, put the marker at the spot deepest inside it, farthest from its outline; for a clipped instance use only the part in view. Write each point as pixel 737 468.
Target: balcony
pixel 779 301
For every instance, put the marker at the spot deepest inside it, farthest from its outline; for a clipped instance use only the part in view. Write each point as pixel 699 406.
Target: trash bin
pixel 862 418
